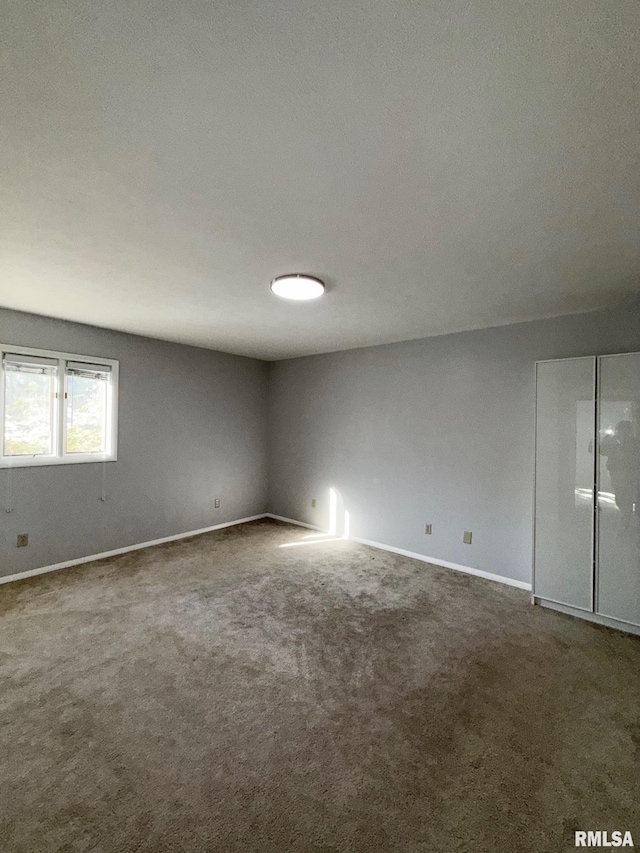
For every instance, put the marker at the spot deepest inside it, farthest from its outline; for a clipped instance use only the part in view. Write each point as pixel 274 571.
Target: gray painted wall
pixel 192 427
pixel 437 430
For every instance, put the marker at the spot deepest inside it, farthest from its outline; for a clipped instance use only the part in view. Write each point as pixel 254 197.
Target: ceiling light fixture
pixel 297 286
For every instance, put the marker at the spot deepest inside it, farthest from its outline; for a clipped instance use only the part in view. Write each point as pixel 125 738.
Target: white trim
pixel 18 349
pixel 414 556
pixel 10 463
pixel 468 570
pixel 292 521
pixel 535 473
pixel 608 621
pixel 30 573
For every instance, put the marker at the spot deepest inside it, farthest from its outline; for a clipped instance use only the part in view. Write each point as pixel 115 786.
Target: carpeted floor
pixel 224 693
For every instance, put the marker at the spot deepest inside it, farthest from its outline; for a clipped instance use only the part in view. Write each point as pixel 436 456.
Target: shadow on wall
pixel 339 523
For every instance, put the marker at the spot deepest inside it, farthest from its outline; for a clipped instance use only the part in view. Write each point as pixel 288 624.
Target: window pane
pixel 86 412
pixel 29 409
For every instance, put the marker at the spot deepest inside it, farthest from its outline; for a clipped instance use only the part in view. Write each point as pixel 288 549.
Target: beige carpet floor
pixel 224 693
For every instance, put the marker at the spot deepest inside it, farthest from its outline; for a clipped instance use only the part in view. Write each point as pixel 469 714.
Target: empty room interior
pixel 320 426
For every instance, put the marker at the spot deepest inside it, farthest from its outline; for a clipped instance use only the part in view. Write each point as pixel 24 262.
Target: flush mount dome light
pixel 296 286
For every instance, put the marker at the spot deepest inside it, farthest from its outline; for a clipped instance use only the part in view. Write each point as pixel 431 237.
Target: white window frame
pixel 60 456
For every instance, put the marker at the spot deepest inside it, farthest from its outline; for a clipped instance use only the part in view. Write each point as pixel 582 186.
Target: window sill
pixel 41 461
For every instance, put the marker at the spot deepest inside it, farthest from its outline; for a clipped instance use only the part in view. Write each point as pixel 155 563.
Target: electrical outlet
pixel 427 529
pixel 466 537
pixel 216 503
pixel 23 540
pixel 313 503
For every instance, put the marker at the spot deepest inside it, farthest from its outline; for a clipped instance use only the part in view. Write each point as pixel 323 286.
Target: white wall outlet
pixel 216 503
pixel 22 540
pixel 313 503
pixel 427 529
pixel 466 537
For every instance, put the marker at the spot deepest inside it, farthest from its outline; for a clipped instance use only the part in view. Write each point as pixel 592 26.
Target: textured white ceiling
pixel 443 165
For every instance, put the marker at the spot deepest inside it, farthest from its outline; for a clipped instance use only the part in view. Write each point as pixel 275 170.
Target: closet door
pixel 618 535
pixel 564 490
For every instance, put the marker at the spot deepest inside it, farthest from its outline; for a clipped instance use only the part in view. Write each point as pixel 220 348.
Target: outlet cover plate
pixel 427 529
pixel 22 540
pixel 466 537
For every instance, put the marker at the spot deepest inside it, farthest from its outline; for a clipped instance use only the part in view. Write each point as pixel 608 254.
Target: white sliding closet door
pixel 565 423
pixel 618 552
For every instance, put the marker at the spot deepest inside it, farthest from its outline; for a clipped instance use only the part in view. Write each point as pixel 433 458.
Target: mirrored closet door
pixel 618 533
pixel 587 552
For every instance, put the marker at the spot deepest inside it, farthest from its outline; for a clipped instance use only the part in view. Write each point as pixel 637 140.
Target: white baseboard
pixel 422 557
pixel 445 564
pixel 292 521
pixel 30 573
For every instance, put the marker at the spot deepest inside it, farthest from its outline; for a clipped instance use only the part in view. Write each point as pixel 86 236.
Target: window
pixel 57 408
